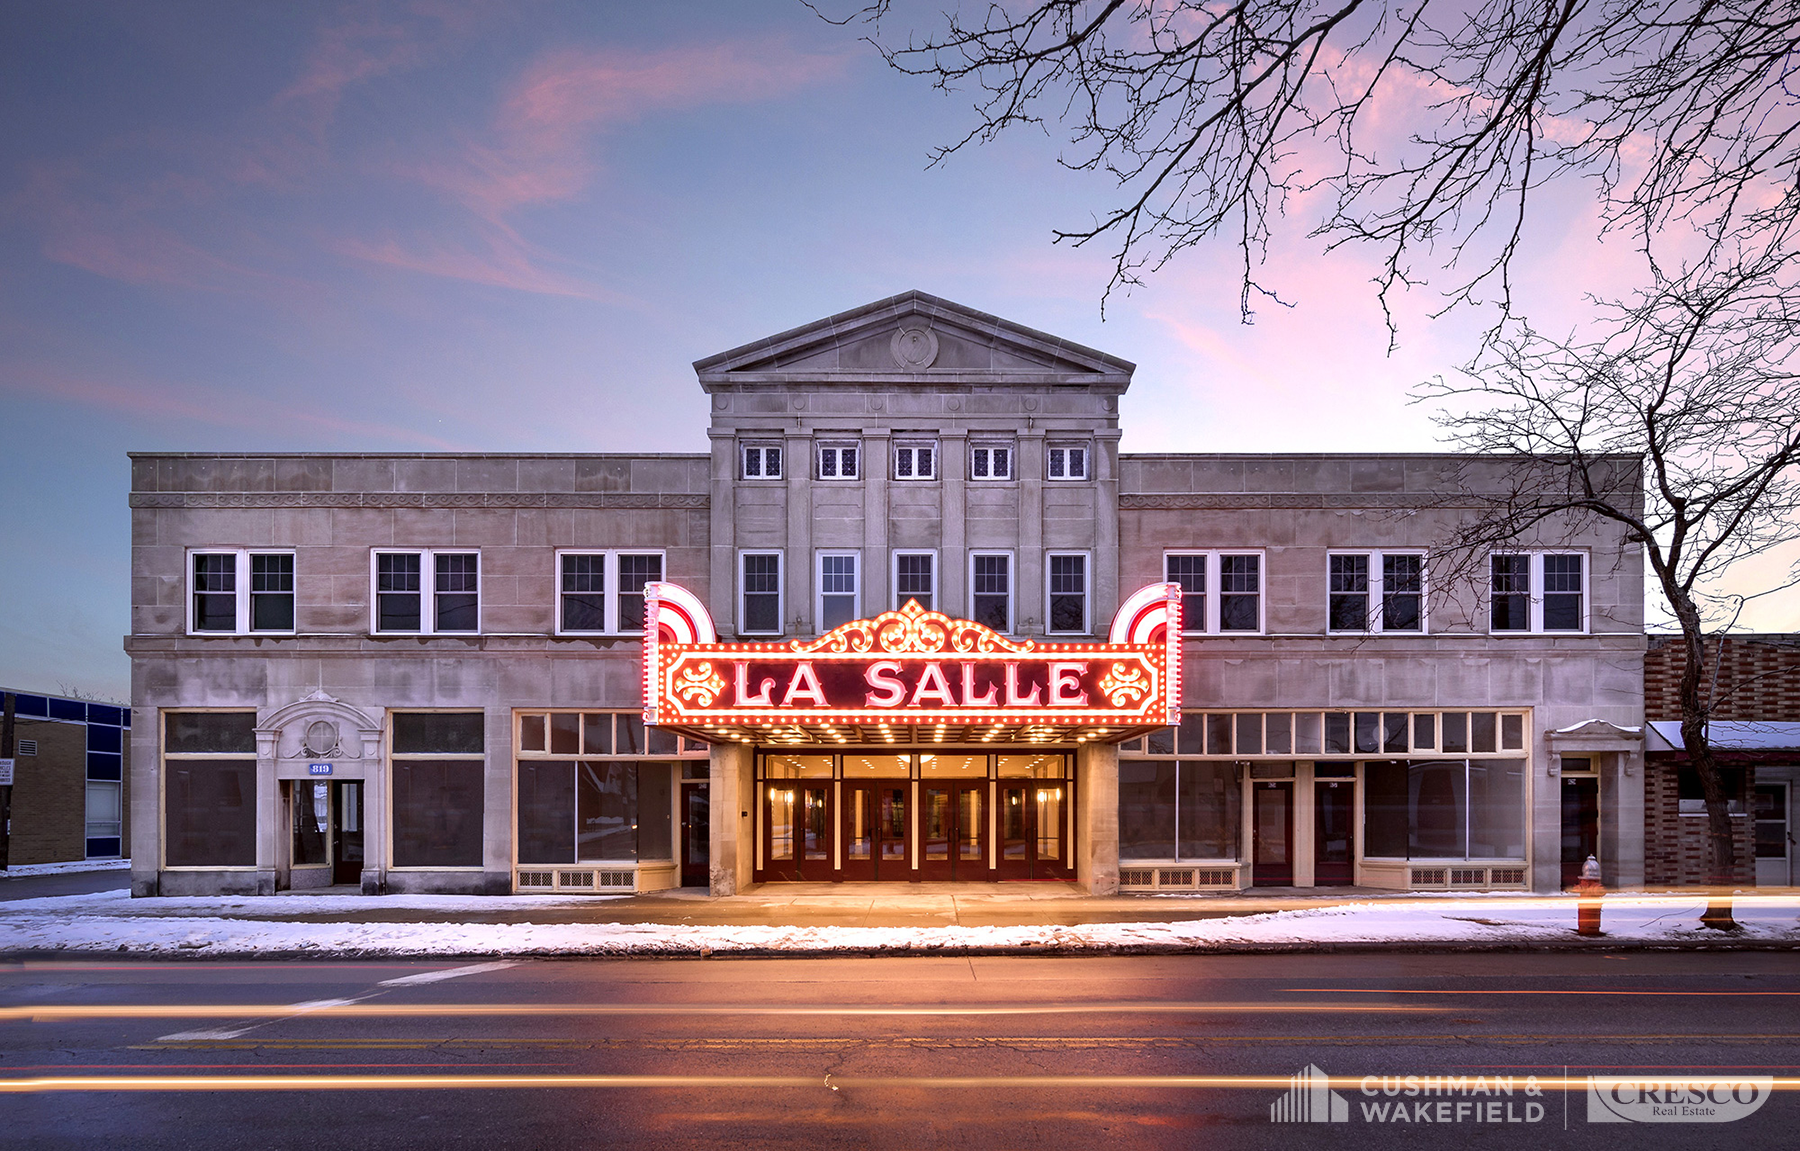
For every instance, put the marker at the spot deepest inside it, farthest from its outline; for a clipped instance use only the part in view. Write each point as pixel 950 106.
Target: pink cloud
pixel 506 264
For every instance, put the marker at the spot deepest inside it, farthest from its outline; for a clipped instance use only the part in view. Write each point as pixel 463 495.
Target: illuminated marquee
pixel 912 666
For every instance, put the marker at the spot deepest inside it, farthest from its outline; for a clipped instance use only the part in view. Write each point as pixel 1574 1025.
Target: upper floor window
pixel 915 461
pixel 839 461
pixel 991 462
pixel 427 592
pixel 1067 573
pixel 1221 590
pixel 1375 591
pixel 839 589
pixel 915 577
pixel 1068 462
pixel 990 584
pixel 603 592
pixel 240 591
pixel 762 461
pixel 1537 592
pixel 759 610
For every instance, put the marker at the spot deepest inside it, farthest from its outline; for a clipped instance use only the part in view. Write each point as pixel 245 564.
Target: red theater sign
pixel 911 666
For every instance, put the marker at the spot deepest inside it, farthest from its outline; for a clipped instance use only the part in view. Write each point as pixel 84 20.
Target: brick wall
pixel 1676 853
pixel 49 800
pixel 1758 677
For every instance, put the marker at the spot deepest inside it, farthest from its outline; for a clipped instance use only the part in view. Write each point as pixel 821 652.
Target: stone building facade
pixel 424 672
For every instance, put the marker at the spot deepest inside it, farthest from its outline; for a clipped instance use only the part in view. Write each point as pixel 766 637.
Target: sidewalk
pixel 831 919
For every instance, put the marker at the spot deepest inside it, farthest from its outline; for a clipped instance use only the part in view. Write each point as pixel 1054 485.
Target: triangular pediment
pixel 914 337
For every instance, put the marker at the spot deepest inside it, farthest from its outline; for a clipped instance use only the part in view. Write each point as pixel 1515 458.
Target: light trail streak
pixel 351 1008
pixel 146 1083
pixel 1534 991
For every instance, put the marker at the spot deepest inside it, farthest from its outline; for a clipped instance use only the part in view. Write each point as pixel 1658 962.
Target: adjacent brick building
pixel 69 779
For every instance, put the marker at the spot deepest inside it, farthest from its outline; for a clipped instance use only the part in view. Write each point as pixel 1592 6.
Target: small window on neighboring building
pixel 838 461
pixel 761 588
pixel 762 461
pixel 991 587
pixel 1068 592
pixel 991 462
pixel 915 578
pixel 915 461
pixel 1068 462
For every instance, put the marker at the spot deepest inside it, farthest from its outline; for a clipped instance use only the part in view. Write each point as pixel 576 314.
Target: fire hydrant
pixel 1587 921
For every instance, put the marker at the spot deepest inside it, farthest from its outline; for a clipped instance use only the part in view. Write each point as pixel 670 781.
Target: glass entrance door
pixel 696 834
pixel 346 832
pixel 1272 826
pixel 797 830
pixel 1333 808
pixel 874 831
pixel 953 830
pixel 1580 825
pixel 1032 832
pixel 1774 842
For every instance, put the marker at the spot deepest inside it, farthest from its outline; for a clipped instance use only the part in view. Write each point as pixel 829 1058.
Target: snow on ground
pixel 95 924
pixel 20 870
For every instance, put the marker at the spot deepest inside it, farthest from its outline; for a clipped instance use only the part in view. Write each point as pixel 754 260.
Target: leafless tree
pixel 1696 377
pixel 1214 119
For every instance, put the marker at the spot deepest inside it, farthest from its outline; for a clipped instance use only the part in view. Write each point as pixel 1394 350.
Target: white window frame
pixel 610 574
pixel 745 447
pixel 780 590
pixel 1087 590
pixel 428 607
pixel 117 788
pixel 838 446
pixel 1535 599
pixel 913 446
pixel 856 574
pixel 240 590
pixel 1377 592
pixel 1213 584
pixel 1012 584
pixel 1010 447
pixel 1065 446
pixel 936 574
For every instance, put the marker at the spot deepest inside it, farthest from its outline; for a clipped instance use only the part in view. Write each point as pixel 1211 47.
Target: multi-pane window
pixel 1221 590
pixel 837 589
pixel 584 793
pixel 1375 591
pixel 1068 462
pixel 242 591
pixel 1537 592
pixel 1190 572
pixel 427 592
pixel 760 584
pixel 839 461
pixel 762 461
pixel 990 584
pixel 586 578
pixel 1068 592
pixel 991 462
pixel 915 461
pixel 915 577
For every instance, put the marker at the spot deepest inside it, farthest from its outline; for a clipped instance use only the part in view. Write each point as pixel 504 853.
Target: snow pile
pixel 20 870
pixel 232 927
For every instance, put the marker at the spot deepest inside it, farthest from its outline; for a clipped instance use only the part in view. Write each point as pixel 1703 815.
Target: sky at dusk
pixel 446 226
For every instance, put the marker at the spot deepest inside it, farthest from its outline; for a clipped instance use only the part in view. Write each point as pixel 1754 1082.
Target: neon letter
pixel 1013 698
pixel 1065 675
pixel 744 698
pixel 933 683
pixel 806 683
pixel 970 699
pixel 880 674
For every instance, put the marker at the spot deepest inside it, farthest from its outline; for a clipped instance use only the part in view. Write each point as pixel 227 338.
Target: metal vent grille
pixel 536 879
pixel 1428 876
pixel 27 747
pixel 1507 875
pixel 1183 877
pixel 1468 877
pixel 575 879
pixel 1216 878
pixel 1137 877
pixel 618 879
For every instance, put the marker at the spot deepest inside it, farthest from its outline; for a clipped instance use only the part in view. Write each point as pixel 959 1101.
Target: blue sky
pixel 443 225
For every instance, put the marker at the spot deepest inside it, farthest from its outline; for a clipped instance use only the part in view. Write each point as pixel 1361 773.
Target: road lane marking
pixel 64 1083
pixel 424 977
pixel 356 1007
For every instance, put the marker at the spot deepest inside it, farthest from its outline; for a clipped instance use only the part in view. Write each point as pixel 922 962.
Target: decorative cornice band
pixel 1238 501
pixel 677 500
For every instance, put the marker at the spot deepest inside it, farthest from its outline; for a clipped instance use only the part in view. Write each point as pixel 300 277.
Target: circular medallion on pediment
pixel 321 738
pixel 915 348
pixel 1031 403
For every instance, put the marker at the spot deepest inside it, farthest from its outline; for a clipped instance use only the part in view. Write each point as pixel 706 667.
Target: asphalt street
pixel 992 1052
